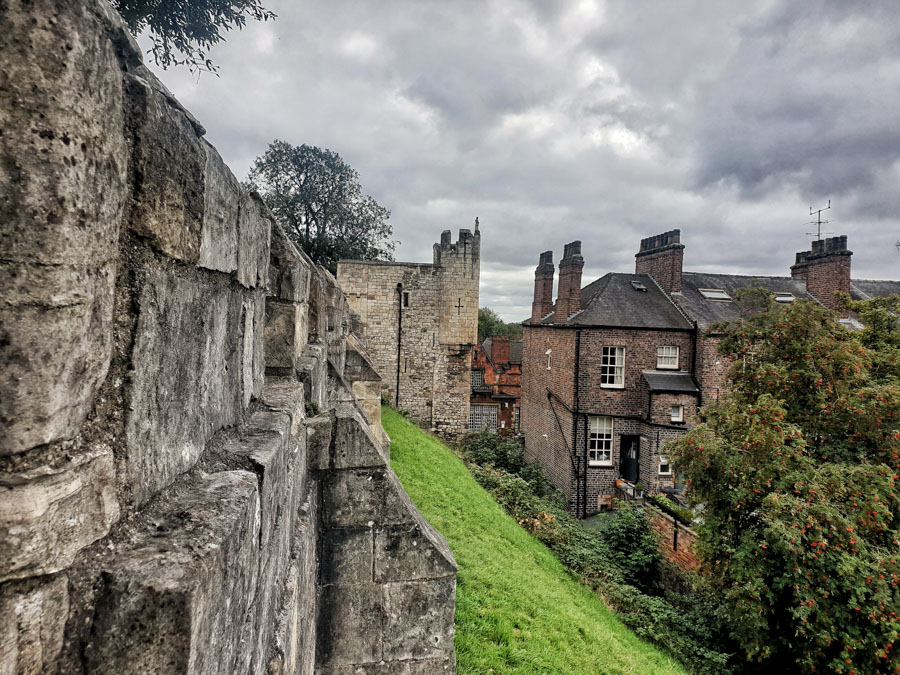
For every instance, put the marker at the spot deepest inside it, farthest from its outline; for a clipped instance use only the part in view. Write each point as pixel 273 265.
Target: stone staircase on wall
pixel 166 502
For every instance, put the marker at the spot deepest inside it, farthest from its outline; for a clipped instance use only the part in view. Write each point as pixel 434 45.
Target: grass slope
pixel 517 609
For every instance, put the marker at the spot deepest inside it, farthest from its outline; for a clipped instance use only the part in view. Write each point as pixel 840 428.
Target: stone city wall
pixel 169 499
pixel 419 324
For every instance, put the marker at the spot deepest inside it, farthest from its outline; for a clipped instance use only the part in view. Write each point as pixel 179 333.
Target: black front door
pixel 630 464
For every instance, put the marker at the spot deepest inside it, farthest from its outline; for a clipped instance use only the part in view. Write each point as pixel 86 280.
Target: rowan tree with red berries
pixel 797 471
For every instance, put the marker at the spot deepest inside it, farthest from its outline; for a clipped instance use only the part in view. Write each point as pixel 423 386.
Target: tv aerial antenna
pixel 818 222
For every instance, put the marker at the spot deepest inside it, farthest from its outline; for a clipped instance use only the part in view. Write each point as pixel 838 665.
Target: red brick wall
pixel 826 276
pixel 664 266
pixel 640 354
pixel 712 369
pixel 679 552
pixel 503 378
pixel 537 416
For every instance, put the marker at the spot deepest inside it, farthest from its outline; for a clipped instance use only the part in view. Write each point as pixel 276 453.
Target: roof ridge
pixel 674 304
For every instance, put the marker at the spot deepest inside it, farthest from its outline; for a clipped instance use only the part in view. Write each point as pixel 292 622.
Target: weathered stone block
pixel 318 441
pixel 285 333
pixel 364 497
pixel 418 619
pixel 63 168
pixel 34 619
pixel 347 556
pixel 167 205
pixel 350 617
pixel 278 459
pixel 285 394
pixel 294 644
pixel 49 514
pixel 354 445
pixel 254 236
pixel 289 270
pixel 219 232
pixel 247 355
pixel 187 382
pixel 411 553
pixel 312 369
pixel 175 596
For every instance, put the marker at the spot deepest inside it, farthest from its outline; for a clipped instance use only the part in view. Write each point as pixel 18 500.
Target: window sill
pixel 659 367
pixel 612 386
pixel 601 465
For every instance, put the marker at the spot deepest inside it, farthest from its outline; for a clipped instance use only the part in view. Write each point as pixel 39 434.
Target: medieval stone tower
pixel 420 325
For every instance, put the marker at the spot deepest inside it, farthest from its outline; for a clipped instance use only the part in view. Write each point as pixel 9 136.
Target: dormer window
pixel 784 298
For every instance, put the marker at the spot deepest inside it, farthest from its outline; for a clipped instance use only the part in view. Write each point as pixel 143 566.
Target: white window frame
pixel 482 408
pixel 612 367
pixel 600 441
pixel 665 461
pixel 667 357
pixel 676 416
pixel 548 353
pixel 477 374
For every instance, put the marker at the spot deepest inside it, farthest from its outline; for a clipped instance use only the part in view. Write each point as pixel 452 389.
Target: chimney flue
pixel 568 295
pixel 543 288
pixel 662 256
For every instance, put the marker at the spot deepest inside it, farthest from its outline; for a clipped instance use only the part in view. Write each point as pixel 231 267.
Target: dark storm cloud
pixel 599 121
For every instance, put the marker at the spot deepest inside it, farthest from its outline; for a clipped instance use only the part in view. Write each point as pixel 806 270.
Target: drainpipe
pixel 399 333
pixel 584 462
pixel 694 334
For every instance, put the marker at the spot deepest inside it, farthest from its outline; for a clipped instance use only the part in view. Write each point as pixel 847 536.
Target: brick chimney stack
pixel 500 350
pixel 543 288
pixel 826 268
pixel 662 257
pixel 568 294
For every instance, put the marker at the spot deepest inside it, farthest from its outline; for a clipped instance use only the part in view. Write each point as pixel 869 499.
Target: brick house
pixel 614 371
pixel 496 385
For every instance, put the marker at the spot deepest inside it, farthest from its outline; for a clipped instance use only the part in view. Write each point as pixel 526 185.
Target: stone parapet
pixel 188 429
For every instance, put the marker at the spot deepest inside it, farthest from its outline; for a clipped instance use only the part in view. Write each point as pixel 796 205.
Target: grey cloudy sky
pixel 604 121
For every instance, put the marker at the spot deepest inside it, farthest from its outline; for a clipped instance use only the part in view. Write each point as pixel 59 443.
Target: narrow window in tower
pixel 406 299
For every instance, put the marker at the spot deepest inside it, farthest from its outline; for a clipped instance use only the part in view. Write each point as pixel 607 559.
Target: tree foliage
pixel 183 31
pixel 490 324
pixel 796 470
pixel 317 198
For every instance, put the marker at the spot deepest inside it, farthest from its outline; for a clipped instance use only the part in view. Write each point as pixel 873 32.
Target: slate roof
pixel 671 382
pixel 612 301
pixel 864 289
pixel 515 350
pixel 707 312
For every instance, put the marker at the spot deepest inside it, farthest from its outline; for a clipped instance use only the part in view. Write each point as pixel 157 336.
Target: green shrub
pixel 633 546
pixel 621 560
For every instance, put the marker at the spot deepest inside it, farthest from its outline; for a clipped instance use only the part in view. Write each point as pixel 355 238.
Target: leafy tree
pixel 796 470
pixel 490 324
pixel 317 198
pixel 183 31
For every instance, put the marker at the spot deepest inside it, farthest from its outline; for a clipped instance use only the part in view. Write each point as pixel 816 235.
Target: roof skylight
pixel 784 298
pixel 638 285
pixel 717 294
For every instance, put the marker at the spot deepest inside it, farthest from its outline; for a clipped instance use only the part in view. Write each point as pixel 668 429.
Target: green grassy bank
pixel 517 609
